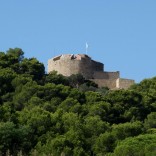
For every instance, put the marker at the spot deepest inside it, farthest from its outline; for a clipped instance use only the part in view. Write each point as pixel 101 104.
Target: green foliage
pixel 12 59
pixel 124 130
pixel 75 80
pixel 50 114
pixel 150 122
pixel 127 105
pixel 70 105
pixel 32 67
pixel 16 54
pixel 37 119
pixel 142 145
pixel 14 138
pixel 100 109
pixel 147 89
pixel 6 76
pixel 105 143
pixel 93 97
pixel 53 77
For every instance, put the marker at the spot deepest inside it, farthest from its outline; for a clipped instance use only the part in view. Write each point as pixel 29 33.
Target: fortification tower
pixel 68 64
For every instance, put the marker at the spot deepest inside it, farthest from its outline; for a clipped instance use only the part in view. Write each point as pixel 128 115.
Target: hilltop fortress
pixel 69 64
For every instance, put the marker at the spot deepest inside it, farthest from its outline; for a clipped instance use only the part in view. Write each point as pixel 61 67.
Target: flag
pixel 86 45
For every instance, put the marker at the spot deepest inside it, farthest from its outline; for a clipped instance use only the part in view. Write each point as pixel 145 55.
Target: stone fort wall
pixel 106 75
pixel 74 64
pixel 124 83
pixel 105 83
pixel 69 64
pixel 114 84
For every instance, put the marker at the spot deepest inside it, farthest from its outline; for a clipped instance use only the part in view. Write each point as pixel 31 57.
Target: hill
pixel 50 114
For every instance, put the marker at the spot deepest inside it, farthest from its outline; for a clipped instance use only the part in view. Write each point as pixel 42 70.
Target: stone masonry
pixel 68 64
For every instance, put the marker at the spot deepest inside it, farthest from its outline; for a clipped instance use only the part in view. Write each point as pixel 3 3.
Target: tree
pixel 92 97
pixel 75 80
pixel 150 122
pixel 78 95
pixel 105 143
pixel 53 77
pixel 3 60
pixel 147 89
pixel 125 106
pixel 100 109
pixel 124 130
pixel 12 59
pixel 6 76
pixel 23 94
pixel 32 67
pixel 137 146
pixel 19 81
pixel 13 138
pixel 93 128
pixel 69 104
pixel 37 118
pixel 17 54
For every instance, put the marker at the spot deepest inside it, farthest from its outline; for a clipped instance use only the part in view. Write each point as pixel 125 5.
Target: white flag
pixel 86 45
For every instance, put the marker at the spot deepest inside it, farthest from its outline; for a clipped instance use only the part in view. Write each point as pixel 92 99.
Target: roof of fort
pixel 71 57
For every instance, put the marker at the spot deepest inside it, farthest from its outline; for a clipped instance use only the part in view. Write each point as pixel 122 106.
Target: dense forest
pixel 52 115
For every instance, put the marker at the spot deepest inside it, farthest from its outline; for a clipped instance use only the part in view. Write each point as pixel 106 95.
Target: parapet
pixel 71 57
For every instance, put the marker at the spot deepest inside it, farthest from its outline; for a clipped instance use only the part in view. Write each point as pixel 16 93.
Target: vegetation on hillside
pixel 52 115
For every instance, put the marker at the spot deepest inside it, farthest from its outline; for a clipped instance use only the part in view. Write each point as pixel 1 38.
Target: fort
pixel 68 64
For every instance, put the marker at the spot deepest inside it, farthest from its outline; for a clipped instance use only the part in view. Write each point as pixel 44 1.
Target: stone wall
pixel 69 64
pixel 106 75
pixel 124 83
pixel 74 64
pixel 111 84
pixel 64 66
pixel 97 66
pixel 114 83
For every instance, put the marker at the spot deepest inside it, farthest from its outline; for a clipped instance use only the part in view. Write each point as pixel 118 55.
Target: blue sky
pixel 120 33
